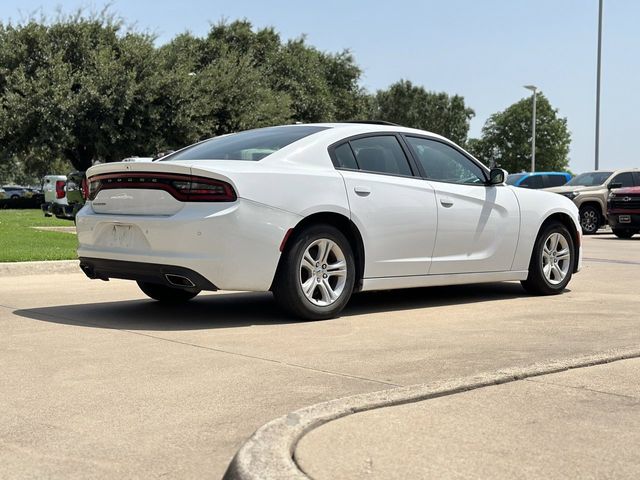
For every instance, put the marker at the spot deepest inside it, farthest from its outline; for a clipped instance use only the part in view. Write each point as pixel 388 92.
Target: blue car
pixel 538 179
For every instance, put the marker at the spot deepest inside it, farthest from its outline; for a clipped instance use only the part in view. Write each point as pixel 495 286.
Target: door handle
pixel 446 202
pixel 362 191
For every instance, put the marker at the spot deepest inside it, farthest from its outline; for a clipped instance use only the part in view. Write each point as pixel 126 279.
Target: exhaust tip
pixel 179 280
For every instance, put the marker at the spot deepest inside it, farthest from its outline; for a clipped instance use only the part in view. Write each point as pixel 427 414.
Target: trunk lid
pixel 142 188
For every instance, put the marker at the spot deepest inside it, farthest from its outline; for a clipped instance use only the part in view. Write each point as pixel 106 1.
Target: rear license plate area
pixel 121 236
pixel 624 218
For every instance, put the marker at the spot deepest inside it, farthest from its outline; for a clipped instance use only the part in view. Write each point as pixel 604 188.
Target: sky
pixel 484 50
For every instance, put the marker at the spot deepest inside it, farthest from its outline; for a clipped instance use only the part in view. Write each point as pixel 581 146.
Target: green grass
pixel 20 242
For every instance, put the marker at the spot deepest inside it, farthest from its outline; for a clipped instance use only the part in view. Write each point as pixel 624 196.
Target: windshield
pixel 250 145
pixel 512 179
pixel 590 179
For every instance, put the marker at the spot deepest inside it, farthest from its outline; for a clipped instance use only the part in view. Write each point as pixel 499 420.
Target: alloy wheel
pixel 556 258
pixel 323 272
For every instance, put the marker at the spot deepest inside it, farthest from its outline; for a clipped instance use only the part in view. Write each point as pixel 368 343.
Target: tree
pixel 80 89
pixel 506 138
pixel 413 106
pixel 83 89
pixel 239 78
pixel 320 86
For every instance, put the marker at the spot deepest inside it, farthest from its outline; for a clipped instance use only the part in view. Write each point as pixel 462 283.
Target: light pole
pixel 598 85
pixel 534 89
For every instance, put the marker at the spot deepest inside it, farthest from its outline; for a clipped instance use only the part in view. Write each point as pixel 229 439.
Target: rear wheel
pixel 552 261
pixel 623 233
pixel 590 219
pixel 165 294
pixel 317 274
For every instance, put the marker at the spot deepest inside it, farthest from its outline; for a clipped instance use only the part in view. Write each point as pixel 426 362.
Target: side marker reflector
pixel 284 240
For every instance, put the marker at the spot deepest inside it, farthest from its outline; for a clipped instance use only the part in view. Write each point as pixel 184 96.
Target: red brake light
pixel 185 188
pixel 60 188
pixel 85 188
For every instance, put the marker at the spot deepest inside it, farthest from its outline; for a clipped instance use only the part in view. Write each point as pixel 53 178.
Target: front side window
pixel 626 179
pixel 381 154
pixel 445 164
pixel 252 145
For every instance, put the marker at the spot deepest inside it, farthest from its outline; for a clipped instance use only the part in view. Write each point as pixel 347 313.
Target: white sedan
pixel 316 212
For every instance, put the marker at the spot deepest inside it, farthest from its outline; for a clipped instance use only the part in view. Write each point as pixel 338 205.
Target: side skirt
pixel 390 283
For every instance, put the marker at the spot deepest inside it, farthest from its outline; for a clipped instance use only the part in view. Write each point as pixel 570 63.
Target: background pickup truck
pixel 590 192
pixel 624 211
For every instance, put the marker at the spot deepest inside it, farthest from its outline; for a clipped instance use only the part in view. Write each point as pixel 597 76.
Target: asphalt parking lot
pixel 98 381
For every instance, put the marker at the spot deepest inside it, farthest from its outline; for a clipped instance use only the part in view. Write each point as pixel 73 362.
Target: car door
pixel 394 210
pixel 478 224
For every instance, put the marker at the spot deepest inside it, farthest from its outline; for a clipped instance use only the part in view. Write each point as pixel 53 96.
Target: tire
pixel 623 233
pixel 165 294
pixel 590 219
pixel 328 286
pixel 548 252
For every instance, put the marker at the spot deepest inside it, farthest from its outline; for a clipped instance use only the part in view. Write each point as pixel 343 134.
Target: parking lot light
pixel 534 89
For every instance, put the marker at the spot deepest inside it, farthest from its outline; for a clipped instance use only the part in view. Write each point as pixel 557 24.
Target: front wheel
pixel 317 274
pixel 623 233
pixel 590 220
pixel 165 294
pixel 552 261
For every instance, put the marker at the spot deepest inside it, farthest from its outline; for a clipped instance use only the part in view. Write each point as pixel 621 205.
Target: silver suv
pixel 590 190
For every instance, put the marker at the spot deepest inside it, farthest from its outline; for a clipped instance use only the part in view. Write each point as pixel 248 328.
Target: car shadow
pixel 228 310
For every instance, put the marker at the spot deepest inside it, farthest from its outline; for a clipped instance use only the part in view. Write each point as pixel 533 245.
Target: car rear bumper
pixel 168 275
pixel 232 246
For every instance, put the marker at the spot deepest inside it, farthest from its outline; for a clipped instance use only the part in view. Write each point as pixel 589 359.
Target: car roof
pixel 374 127
pixel 613 170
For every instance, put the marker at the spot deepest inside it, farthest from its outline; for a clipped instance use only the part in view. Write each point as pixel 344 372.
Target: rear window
pixel 555 180
pixel 252 145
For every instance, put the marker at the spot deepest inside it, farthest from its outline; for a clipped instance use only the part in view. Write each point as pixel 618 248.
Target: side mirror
pixel 497 176
pixel 613 185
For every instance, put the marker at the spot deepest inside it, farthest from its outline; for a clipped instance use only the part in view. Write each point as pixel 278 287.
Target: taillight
pixel 185 188
pixel 60 188
pixel 85 188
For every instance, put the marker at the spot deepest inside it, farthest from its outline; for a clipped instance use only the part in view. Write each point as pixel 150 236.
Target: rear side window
pixel 381 154
pixel 252 145
pixel 636 178
pixel 554 180
pixel 533 181
pixel 344 157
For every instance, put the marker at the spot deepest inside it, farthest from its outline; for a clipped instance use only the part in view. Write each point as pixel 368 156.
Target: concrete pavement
pixel 582 423
pixel 99 381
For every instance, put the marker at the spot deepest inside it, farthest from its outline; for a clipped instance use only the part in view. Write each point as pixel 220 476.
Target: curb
pixel 16 269
pixel 269 453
